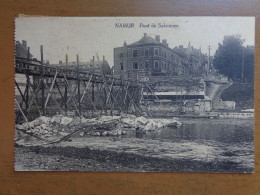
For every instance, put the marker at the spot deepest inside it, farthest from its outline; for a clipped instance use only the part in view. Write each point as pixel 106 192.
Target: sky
pixel 92 36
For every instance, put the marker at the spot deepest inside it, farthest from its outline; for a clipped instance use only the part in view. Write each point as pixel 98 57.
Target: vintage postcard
pixel 134 94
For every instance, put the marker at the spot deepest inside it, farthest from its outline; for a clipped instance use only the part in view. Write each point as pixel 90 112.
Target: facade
pixel 199 61
pixel 152 57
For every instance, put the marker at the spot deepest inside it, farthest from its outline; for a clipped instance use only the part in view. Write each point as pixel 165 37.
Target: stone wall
pixel 175 108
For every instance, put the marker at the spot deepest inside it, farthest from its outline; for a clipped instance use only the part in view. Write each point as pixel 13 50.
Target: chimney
pixel 164 42
pixel 103 58
pixel 157 38
pixel 181 46
pixel 125 44
pixel 60 62
pixel 145 34
pixel 24 43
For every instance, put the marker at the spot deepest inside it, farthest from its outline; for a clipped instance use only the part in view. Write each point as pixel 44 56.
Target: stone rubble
pixel 53 128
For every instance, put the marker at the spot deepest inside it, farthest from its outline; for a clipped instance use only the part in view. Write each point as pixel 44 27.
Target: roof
pixel 150 40
pixel 145 40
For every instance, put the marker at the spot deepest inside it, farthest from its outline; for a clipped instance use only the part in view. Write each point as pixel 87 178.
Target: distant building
pixel 21 50
pixel 198 60
pixel 151 57
pixel 92 66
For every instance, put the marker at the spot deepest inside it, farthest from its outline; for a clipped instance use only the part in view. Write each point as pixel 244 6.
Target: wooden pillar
pixel 93 96
pixel 78 79
pixel 43 87
pixel 66 90
pixel 103 66
pixel 27 82
pixel 66 60
pixel 27 91
pixel 105 97
pixel 112 100
pixel 93 68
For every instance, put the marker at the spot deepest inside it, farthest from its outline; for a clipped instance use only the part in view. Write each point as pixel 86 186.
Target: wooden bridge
pixel 50 90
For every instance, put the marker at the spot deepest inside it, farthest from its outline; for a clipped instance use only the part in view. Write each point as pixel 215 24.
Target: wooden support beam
pixel 93 97
pixel 27 91
pixel 71 93
pixel 65 99
pixel 50 91
pixel 34 93
pixel 78 83
pixel 42 75
pixel 91 100
pixel 101 97
pixel 25 118
pixel 86 88
pixel 116 95
pixel 22 95
pixel 54 100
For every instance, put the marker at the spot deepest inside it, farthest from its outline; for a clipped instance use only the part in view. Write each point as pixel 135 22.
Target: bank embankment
pixel 84 159
pixel 241 93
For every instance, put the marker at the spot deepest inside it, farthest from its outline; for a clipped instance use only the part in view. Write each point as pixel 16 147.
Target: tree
pixel 231 58
pixel 249 54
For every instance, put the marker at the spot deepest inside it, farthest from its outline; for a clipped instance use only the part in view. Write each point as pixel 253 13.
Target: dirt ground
pixel 84 159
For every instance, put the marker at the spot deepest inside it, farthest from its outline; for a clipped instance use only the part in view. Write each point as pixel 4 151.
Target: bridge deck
pixel 35 68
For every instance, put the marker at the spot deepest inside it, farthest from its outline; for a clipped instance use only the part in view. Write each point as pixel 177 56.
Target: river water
pixel 229 142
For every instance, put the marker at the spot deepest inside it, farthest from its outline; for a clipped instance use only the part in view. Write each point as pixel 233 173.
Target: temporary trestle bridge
pixel 49 90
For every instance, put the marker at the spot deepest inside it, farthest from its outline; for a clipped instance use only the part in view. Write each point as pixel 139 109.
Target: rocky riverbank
pixel 199 145
pixel 48 130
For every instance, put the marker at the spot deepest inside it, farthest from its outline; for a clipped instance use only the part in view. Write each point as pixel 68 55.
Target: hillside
pixel 241 93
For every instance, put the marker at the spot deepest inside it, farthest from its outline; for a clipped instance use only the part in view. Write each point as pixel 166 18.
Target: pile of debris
pixel 56 127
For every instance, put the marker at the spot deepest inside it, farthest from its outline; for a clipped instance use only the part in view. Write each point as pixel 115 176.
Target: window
pixel 156 65
pixel 121 55
pixel 122 66
pixel 146 64
pixel 146 52
pixel 135 65
pixel 156 51
pixel 164 54
pixel 135 53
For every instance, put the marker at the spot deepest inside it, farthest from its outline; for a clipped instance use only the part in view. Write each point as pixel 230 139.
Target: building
pixel 21 50
pixel 92 66
pixel 199 61
pixel 152 57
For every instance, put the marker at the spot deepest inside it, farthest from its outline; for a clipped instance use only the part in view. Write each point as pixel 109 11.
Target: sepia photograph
pixel 134 94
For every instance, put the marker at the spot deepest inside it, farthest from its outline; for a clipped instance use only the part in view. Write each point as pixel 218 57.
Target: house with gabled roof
pixel 149 57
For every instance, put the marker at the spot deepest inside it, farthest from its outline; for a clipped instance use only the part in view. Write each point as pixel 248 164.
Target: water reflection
pixel 221 130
